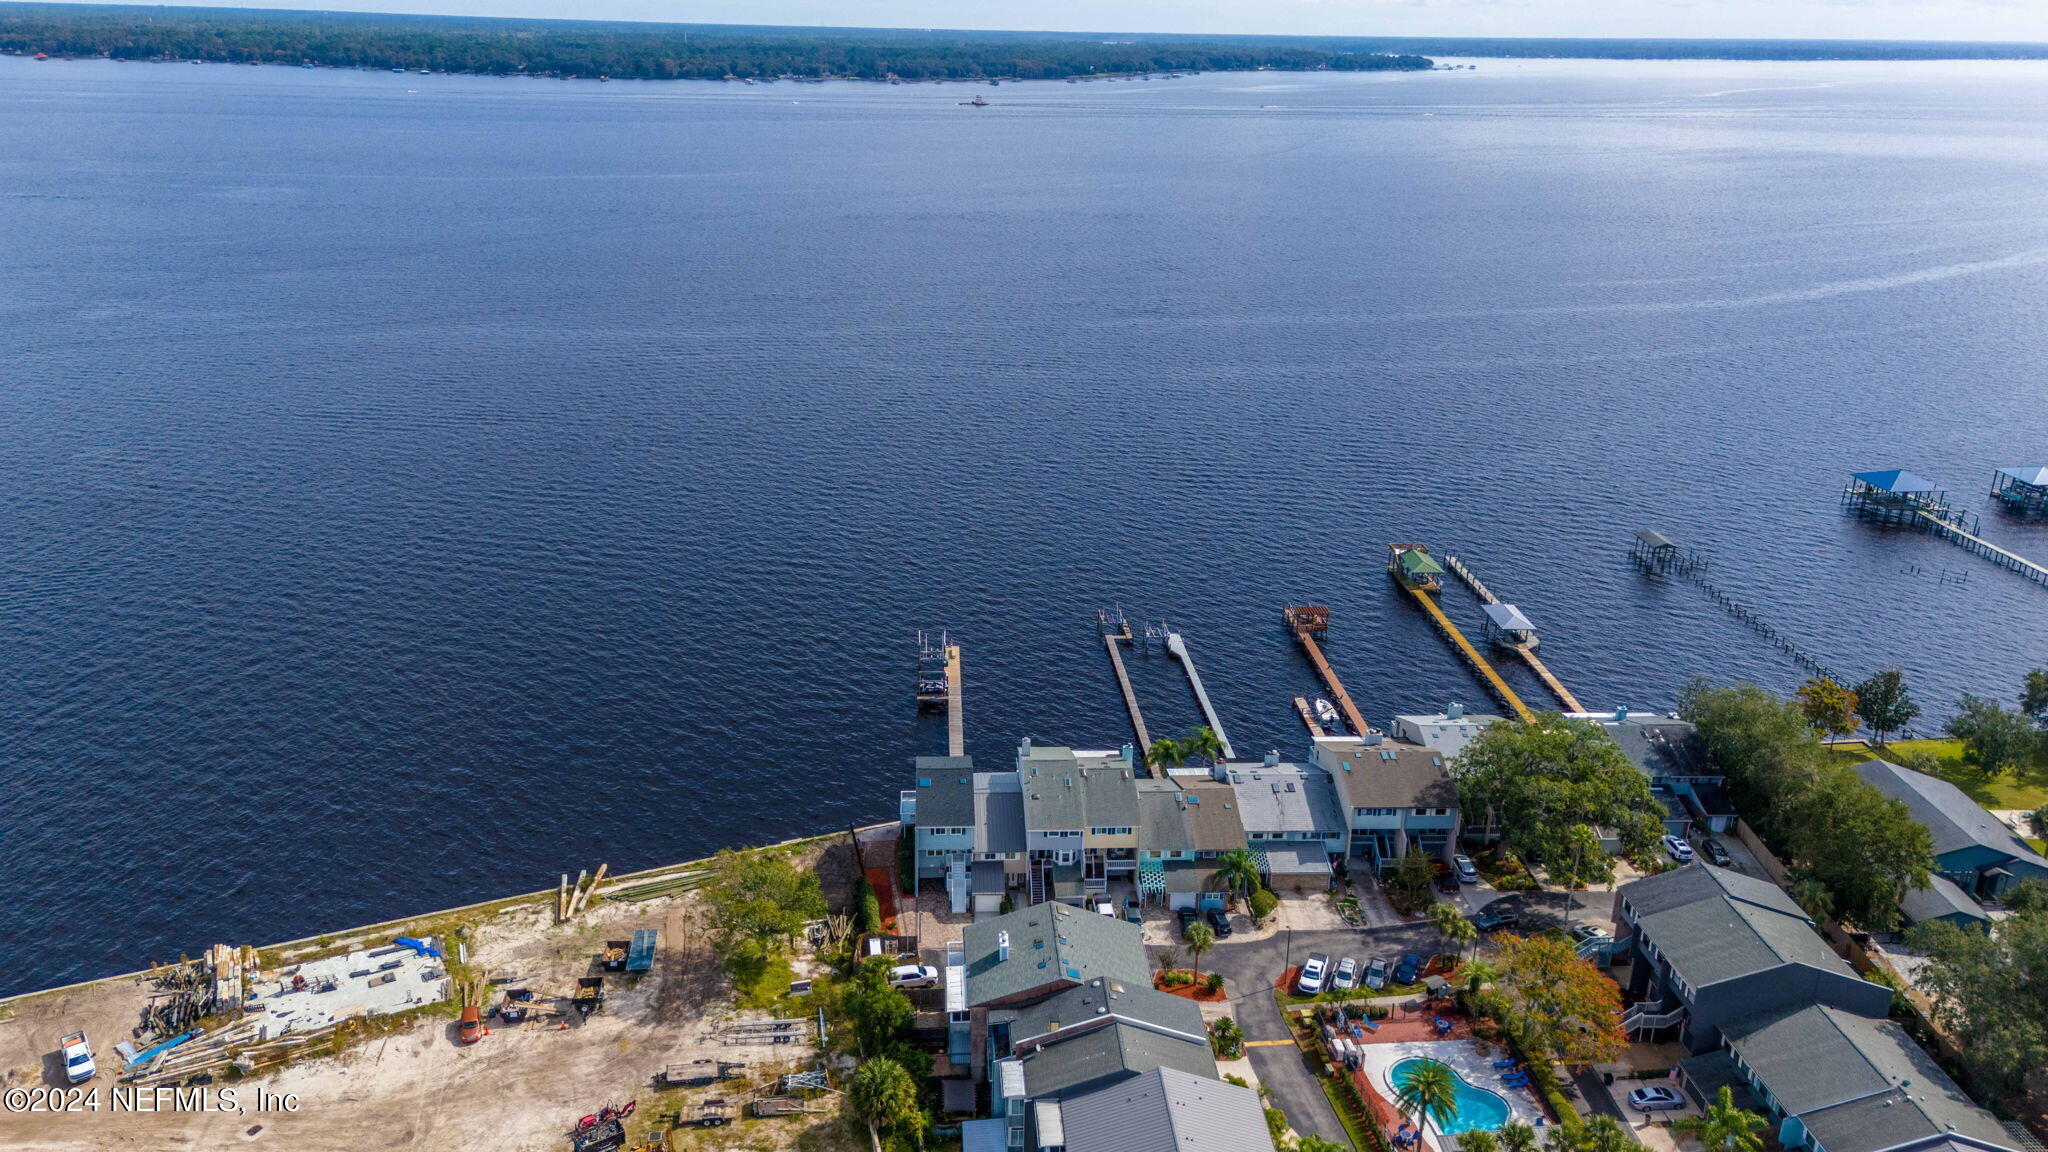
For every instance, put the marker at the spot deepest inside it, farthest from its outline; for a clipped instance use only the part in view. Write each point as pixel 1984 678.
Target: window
pixel 1110 831
pixel 1066 856
pixel 1372 811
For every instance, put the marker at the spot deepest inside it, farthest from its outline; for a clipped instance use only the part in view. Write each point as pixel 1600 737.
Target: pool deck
pixel 1378 1060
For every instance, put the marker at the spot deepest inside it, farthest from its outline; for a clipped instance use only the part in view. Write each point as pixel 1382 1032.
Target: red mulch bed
pixel 1195 991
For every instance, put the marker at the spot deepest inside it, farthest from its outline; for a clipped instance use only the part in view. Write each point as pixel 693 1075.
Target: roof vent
pixel 1002 946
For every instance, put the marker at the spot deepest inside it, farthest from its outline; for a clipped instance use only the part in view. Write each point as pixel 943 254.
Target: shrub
pixel 870 909
pixel 1178 977
pixel 1213 981
pixel 1226 1038
pixel 1263 902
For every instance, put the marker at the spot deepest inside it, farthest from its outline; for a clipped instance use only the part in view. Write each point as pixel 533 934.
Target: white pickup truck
pixel 77 1058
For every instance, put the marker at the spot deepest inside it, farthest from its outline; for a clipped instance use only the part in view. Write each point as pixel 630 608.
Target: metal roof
pixel 2037 477
pixel 998 812
pixel 1167 1110
pixel 1654 539
pixel 1897 480
pixel 992 1135
pixel 1416 562
pixel 1508 617
pixel 1286 798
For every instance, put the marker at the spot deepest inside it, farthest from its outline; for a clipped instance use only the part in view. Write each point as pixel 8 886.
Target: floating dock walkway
pixel 1984 548
pixel 1907 500
pixel 1526 649
pixel 1415 571
pixel 938 686
pixel 1178 645
pixel 956 724
pixel 1308 621
pixel 1116 632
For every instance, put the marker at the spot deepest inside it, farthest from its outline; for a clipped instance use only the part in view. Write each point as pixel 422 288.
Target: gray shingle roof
pixel 1955 821
pixel 945 791
pixel 1659 746
pixel 1050 944
pixel 1164 824
pixel 1938 899
pixel 1084 1058
pixel 1167 1110
pixel 1287 798
pixel 1859 1085
pixel 1213 817
pixel 1063 791
pixel 1393 774
pixel 1097 998
pixel 1714 924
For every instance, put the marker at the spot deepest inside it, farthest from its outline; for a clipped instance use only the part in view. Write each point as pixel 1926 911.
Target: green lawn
pixel 2026 788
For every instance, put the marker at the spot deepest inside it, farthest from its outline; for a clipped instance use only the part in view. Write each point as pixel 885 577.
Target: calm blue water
pixel 1476 1110
pixel 412 487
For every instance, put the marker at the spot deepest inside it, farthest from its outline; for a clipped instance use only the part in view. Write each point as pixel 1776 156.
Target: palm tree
pixel 2037 822
pixel 1452 926
pixel 1204 743
pixel 1515 1136
pixel 1165 753
pixel 1724 1127
pixel 1238 871
pixel 1814 899
pixel 1429 1089
pixel 1201 938
pixel 1478 1141
pixel 1606 1134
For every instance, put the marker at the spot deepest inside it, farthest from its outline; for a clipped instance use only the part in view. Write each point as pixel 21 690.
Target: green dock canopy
pixel 1898 480
pixel 1416 562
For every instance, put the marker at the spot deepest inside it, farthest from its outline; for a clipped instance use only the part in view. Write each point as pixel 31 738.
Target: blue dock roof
pixel 2034 477
pixel 1897 480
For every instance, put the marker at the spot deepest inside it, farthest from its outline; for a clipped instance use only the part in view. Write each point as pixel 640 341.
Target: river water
pixel 414 486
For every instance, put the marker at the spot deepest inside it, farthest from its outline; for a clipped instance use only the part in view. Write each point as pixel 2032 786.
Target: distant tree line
pixel 632 51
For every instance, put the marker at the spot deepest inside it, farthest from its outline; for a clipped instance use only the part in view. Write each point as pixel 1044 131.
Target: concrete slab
pixel 368 982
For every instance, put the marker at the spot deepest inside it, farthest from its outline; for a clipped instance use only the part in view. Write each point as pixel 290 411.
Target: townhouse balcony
pixel 1646 1018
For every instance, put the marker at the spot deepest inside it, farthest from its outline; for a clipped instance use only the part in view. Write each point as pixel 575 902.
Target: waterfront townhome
pixel 1080 820
pixel 1671 755
pixel 1976 857
pixel 1164 1110
pixel 1709 945
pixel 1837 1081
pixel 1292 820
pixel 1448 731
pixel 1396 798
pixel 1185 822
pixel 942 809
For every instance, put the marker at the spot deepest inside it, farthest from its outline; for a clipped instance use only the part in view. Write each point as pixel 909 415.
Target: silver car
pixel 1346 977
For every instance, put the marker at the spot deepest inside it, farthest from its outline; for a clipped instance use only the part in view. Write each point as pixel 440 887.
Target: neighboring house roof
pixel 991 1135
pixel 1444 732
pixel 1167 1110
pixel 1859 1085
pixel 1295 858
pixel 1050 944
pixel 1387 774
pixel 1714 924
pixel 1659 746
pixel 1109 1052
pixel 1097 999
pixel 1955 821
pixel 945 791
pixel 1939 900
pixel 1189 876
pixel 1064 791
pixel 1213 816
pixel 1286 798
pixel 998 812
pixel 1163 821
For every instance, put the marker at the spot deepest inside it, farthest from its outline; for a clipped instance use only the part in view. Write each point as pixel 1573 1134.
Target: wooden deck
pixel 956 724
pixel 1114 643
pixel 1305 623
pixel 1465 649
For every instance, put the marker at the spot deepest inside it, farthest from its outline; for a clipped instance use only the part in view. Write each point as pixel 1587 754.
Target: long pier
pixel 1116 632
pixel 1526 651
pixel 1478 662
pixel 1306 622
pixel 1984 548
pixel 956 723
pixel 1178 645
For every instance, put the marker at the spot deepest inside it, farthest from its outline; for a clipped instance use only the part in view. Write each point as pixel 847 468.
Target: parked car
pixel 1187 916
pixel 78 1065
pixel 1718 854
pixel 1218 922
pixel 1447 881
pixel 1655 1099
pixel 1376 973
pixel 1314 971
pixel 1468 872
pixel 1104 906
pixel 469 1028
pixel 1346 976
pixel 1678 848
pixel 913 976
pixel 1492 917
pixel 1409 970
pixel 1583 932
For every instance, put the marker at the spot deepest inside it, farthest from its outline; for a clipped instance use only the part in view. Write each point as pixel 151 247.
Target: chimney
pixel 1272 758
pixel 1002 946
pixel 1454 711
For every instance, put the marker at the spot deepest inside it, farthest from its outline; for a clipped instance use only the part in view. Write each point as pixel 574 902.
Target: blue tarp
pixel 1897 480
pixel 421 947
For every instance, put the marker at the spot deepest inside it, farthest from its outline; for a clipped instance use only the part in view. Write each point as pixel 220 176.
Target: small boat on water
pixel 1326 711
pixel 977 102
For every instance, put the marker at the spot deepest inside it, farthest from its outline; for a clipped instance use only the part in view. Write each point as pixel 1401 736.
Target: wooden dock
pixel 1472 657
pixel 1116 632
pixel 1308 716
pixel 1526 651
pixel 1307 622
pixel 956 723
pixel 1984 548
pixel 1178 646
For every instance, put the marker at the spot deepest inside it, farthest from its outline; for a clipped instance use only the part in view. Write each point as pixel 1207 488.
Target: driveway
pixel 1251 966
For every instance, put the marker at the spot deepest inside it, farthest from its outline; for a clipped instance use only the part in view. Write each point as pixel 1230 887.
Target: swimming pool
pixel 1477 1110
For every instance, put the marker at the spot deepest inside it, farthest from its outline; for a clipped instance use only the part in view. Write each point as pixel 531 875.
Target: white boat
pixel 1326 711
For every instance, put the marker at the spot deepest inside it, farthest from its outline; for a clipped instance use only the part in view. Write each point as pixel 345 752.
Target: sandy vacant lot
pixel 522 1087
